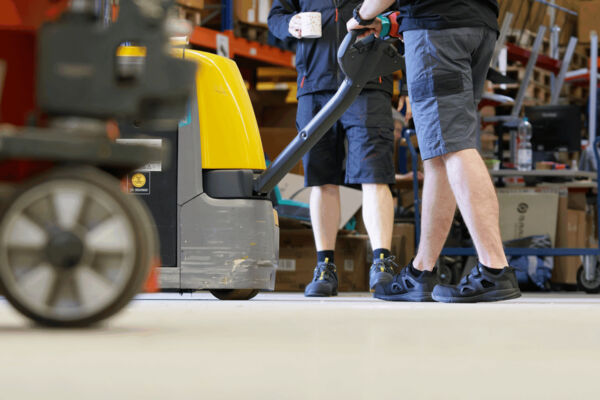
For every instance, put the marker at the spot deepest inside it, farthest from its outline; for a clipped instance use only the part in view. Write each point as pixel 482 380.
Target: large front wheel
pixel 74 249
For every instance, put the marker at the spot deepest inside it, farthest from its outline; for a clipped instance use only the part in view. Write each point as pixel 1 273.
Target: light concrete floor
pixel 283 346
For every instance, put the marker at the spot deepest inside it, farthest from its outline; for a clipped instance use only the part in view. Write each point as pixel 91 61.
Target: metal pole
pixel 417 205
pixel 554 53
pixel 506 24
pixel 227 15
pixel 528 71
pixel 557 7
pixel 564 68
pixel 593 86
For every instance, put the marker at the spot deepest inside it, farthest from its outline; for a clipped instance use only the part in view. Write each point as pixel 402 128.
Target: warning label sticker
pixel 139 183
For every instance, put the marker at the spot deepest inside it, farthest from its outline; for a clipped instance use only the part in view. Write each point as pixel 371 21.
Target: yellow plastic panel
pixel 228 130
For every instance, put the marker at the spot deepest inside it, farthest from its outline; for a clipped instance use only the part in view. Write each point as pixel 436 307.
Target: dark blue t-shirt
pixel 445 14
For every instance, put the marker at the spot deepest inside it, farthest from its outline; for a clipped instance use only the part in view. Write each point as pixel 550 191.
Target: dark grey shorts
pixel 446 71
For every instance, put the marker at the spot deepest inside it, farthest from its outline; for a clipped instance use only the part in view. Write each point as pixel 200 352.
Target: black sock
pixel 380 253
pixel 493 271
pixel 413 270
pixel 418 272
pixel 325 256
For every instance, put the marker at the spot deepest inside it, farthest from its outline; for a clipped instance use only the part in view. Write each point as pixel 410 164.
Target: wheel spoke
pixel 26 232
pixel 110 236
pixel 54 293
pixel 93 214
pixel 68 204
pixel 36 283
pixel 93 287
pixel 74 288
pixel 108 264
pixel 64 295
pixel 22 259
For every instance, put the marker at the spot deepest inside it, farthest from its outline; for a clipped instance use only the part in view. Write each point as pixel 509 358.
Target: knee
pixel 459 155
pixel 435 164
pixel 376 189
pixel 326 189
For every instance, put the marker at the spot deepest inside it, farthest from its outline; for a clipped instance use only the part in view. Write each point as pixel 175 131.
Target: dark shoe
pixel 408 285
pixel 382 271
pixel 480 285
pixel 324 283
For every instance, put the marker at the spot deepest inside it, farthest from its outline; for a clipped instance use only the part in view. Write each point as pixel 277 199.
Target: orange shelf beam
pixel 240 47
pixel 516 53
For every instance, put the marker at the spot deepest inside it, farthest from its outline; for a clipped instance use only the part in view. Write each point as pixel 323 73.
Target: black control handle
pixel 349 40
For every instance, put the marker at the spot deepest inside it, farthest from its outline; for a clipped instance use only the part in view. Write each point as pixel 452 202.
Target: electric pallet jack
pixel 75 249
pixel 217 226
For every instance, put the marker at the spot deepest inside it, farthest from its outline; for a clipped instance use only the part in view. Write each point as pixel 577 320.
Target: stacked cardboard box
pixel 576 229
pixel 589 12
pixel 527 212
pixel 252 11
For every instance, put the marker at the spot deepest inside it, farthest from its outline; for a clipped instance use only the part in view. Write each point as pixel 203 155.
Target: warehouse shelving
pixel 240 47
pixel 208 38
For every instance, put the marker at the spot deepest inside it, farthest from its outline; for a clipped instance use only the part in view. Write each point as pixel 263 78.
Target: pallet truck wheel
pixel 74 249
pixel 234 294
pixel 588 286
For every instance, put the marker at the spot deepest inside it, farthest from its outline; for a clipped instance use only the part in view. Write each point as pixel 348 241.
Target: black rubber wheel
pixel 234 294
pixel 445 274
pixel 74 249
pixel 588 286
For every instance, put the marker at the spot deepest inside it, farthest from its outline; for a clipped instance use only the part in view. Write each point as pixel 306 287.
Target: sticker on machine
pixel 152 166
pixel 138 183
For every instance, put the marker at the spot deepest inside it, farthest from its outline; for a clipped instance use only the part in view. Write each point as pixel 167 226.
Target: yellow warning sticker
pixel 138 180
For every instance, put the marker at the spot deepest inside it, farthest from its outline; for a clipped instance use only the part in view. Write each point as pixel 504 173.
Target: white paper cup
pixel 311 25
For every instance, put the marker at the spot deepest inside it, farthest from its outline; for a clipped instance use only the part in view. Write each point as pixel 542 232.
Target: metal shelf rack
pixel 239 47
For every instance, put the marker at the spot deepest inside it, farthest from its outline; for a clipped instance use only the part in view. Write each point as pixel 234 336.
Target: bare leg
pixel 378 214
pixel 478 204
pixel 439 207
pixel 325 215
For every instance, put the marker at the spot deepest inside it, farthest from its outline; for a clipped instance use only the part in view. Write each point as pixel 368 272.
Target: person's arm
pixel 281 14
pixel 370 9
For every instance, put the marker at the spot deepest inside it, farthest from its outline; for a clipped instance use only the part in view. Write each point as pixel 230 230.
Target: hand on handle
pixel 374 28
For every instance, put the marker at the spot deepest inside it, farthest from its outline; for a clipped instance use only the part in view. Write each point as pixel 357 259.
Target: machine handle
pixel 350 39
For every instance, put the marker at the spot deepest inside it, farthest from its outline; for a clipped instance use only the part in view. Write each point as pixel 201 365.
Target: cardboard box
pixel 565 268
pixel 297 260
pixel 252 11
pixel 591 224
pixel 274 140
pixel 571 232
pixel 403 243
pixel 589 12
pixel 527 212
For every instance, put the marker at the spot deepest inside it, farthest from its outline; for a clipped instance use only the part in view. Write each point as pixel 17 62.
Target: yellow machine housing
pixel 229 133
pixel 216 233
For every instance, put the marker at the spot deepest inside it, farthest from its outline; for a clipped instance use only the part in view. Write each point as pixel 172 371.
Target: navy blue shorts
pixel 366 130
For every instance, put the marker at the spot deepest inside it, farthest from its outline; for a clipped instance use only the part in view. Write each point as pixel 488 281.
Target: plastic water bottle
pixel 524 153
